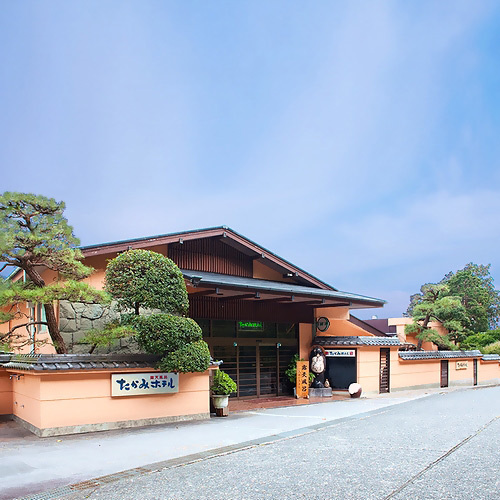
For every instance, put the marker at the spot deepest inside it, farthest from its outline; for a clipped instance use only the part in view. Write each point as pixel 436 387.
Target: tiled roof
pixel 53 362
pixel 491 357
pixel 438 354
pixel 369 341
pixel 4 358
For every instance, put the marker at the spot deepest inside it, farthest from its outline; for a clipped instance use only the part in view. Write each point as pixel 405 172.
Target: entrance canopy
pixel 223 286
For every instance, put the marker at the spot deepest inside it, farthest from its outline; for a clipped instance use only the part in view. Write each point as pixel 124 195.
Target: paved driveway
pixel 442 446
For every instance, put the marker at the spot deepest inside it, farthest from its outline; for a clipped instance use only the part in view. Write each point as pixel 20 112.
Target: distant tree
pixel 474 285
pixel 35 236
pixel 434 303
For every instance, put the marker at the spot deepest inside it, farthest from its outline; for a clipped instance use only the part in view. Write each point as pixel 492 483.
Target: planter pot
pixel 220 400
pixel 355 390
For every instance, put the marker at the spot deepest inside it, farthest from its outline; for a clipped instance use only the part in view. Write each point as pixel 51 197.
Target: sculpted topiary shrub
pixel 194 357
pixel 141 280
pixel 161 333
pixel 144 279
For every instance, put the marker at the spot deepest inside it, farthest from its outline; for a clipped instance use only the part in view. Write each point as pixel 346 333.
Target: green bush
pixel 144 279
pixel 165 333
pixel 492 348
pixel 193 357
pixel 223 384
pixel 140 279
pixel 480 340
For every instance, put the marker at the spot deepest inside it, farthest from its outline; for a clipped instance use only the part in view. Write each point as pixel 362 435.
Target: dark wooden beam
pixel 238 297
pixel 348 304
pixel 202 292
pixel 279 299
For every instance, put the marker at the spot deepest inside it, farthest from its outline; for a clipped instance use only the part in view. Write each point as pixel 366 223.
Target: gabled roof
pixel 227 235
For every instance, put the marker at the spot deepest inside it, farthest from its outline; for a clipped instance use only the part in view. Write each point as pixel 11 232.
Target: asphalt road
pixel 445 446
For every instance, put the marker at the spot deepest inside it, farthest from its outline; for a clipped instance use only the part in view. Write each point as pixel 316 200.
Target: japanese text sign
pixel 302 382
pixel 340 353
pixel 139 384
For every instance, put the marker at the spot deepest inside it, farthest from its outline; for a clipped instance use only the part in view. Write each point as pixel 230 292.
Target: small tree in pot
pixel 222 386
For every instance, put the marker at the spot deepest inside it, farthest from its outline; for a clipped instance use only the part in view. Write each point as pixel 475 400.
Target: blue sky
pixel 359 140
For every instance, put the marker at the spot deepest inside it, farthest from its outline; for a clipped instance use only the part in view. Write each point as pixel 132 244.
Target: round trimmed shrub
pixel 144 279
pixel 194 357
pixel 164 333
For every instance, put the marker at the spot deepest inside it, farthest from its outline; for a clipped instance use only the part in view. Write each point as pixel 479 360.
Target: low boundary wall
pixel 52 402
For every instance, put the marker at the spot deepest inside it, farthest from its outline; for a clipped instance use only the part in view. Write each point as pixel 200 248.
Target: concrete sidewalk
pixel 29 464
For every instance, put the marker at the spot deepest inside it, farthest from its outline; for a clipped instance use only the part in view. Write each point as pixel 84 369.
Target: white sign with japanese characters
pixel 340 353
pixel 139 384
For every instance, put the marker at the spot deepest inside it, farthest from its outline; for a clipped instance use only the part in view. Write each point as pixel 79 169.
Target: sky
pixel 358 140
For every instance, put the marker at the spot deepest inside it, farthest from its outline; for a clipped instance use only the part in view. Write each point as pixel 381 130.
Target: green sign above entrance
pixel 250 326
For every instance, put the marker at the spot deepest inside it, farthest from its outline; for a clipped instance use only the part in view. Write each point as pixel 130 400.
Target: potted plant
pixel 222 386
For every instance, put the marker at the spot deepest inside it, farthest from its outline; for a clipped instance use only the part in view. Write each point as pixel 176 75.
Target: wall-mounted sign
pixel 250 326
pixel 302 380
pixel 140 384
pixel 340 353
pixel 322 324
pixel 461 365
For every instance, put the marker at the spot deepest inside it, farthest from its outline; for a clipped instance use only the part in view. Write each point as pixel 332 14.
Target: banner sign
pixel 340 353
pixel 302 381
pixel 461 365
pixel 140 384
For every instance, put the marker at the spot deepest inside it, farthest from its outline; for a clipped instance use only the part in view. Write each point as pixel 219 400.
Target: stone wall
pixel 77 318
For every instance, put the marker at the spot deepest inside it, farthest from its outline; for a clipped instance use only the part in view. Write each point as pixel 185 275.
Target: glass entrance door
pixel 247 371
pixel 255 368
pixel 268 370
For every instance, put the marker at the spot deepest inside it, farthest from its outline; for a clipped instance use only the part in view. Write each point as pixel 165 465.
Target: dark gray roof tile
pixel 53 362
pixel 355 340
pixel 416 355
pixel 491 357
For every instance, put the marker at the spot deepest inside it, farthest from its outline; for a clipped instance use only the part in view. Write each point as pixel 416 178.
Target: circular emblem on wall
pixel 322 324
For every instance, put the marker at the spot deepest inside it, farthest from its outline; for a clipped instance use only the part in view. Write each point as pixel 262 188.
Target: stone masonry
pixel 77 318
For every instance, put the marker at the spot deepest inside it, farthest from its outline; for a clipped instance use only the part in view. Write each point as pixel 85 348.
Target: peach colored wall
pixel 414 374
pixel 22 312
pixel 339 324
pixel 100 262
pixel 368 367
pixel 63 399
pixel 5 393
pixel 400 324
pixel 461 377
pixel 305 339
pixel 488 372
pixel 332 313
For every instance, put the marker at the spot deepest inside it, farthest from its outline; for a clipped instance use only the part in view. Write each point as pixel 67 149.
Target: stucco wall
pixel 80 401
pixel 340 325
pixel 5 393
pixel 368 367
pixel 414 374
pixel 461 377
pixel 305 339
pixel 488 372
